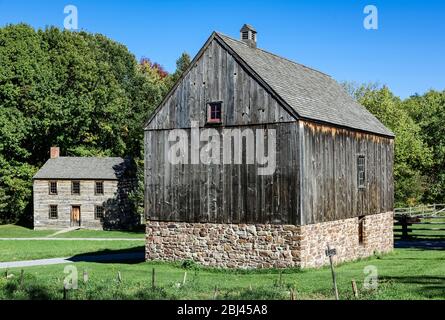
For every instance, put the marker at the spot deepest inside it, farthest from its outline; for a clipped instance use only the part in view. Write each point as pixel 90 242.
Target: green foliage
pixel 429 112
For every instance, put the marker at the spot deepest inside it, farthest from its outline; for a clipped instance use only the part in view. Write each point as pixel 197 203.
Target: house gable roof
pixel 304 92
pixel 82 168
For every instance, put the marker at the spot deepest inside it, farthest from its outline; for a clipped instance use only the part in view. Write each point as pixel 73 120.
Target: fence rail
pixel 424 210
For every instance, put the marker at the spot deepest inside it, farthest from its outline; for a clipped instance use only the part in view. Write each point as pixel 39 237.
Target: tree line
pixel 83 92
pixel 90 96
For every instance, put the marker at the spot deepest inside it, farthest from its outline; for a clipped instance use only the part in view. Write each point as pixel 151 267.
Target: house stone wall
pixel 266 245
pixel 64 199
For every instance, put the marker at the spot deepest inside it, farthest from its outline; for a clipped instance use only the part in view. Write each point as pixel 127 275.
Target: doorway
pixel 75 216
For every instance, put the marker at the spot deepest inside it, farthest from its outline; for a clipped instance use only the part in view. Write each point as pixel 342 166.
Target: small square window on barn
pixel 99 189
pixel 361 171
pixel 361 230
pixel 53 214
pixel 53 187
pixel 75 187
pixel 214 112
pixel 99 212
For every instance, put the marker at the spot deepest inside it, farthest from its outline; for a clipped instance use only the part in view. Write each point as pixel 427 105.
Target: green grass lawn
pixel 102 234
pixel 404 274
pixel 16 250
pixel 13 231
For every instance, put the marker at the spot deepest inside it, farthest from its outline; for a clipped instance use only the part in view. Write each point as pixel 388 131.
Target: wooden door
pixel 75 216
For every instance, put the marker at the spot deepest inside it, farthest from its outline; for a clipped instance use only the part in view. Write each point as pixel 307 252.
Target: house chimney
pixel 248 35
pixel 54 152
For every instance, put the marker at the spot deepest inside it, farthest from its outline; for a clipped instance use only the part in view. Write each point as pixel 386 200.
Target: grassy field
pixel 102 234
pixel 13 231
pixel 11 250
pixel 15 250
pixel 404 274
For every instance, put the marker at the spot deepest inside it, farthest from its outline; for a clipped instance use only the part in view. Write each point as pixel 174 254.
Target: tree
pixel 428 111
pixel 182 65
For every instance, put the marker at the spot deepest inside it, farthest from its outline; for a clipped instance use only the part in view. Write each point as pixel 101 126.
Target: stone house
pixel 85 192
pixel 332 182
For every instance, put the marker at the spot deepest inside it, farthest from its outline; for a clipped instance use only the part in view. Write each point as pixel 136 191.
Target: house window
pixel 53 187
pixel 361 171
pixel 361 229
pixel 99 213
pixel 75 187
pixel 53 214
pixel 99 188
pixel 214 114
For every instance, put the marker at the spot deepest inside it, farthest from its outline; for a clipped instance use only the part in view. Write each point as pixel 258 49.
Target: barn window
pixel 53 187
pixel 361 229
pixel 99 190
pixel 53 214
pixel 361 171
pixel 214 113
pixel 99 213
pixel 75 187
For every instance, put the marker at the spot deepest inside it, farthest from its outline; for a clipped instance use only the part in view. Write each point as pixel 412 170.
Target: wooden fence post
pixel 119 276
pixel 292 294
pixel 153 278
pixel 404 222
pixel 215 293
pixel 354 288
pixel 185 278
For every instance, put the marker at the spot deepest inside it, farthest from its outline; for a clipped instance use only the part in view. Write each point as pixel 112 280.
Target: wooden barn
pixel 253 160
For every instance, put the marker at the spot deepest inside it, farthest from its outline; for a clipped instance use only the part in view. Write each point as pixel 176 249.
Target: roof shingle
pixel 106 168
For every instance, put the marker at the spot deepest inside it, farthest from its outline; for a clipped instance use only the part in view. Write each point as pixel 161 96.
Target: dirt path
pixel 63 231
pixel 74 239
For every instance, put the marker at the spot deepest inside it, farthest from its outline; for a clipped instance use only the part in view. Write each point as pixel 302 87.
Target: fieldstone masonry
pixel 265 245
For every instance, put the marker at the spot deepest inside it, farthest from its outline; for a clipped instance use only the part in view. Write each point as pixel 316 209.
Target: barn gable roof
pixel 83 168
pixel 303 92
pixel 312 94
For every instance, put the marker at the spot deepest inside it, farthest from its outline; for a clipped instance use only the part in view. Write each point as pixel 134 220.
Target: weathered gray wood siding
pixel 223 193
pixel 217 76
pixel 329 173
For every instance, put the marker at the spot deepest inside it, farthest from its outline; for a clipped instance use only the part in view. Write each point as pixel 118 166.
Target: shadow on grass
pixel 130 256
pixel 431 287
pixel 424 244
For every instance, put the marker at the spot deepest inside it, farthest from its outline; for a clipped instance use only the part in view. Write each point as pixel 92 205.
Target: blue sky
pixel 406 52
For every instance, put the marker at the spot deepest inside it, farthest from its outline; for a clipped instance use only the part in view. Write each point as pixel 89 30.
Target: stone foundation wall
pixel 266 246
pixel 343 235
